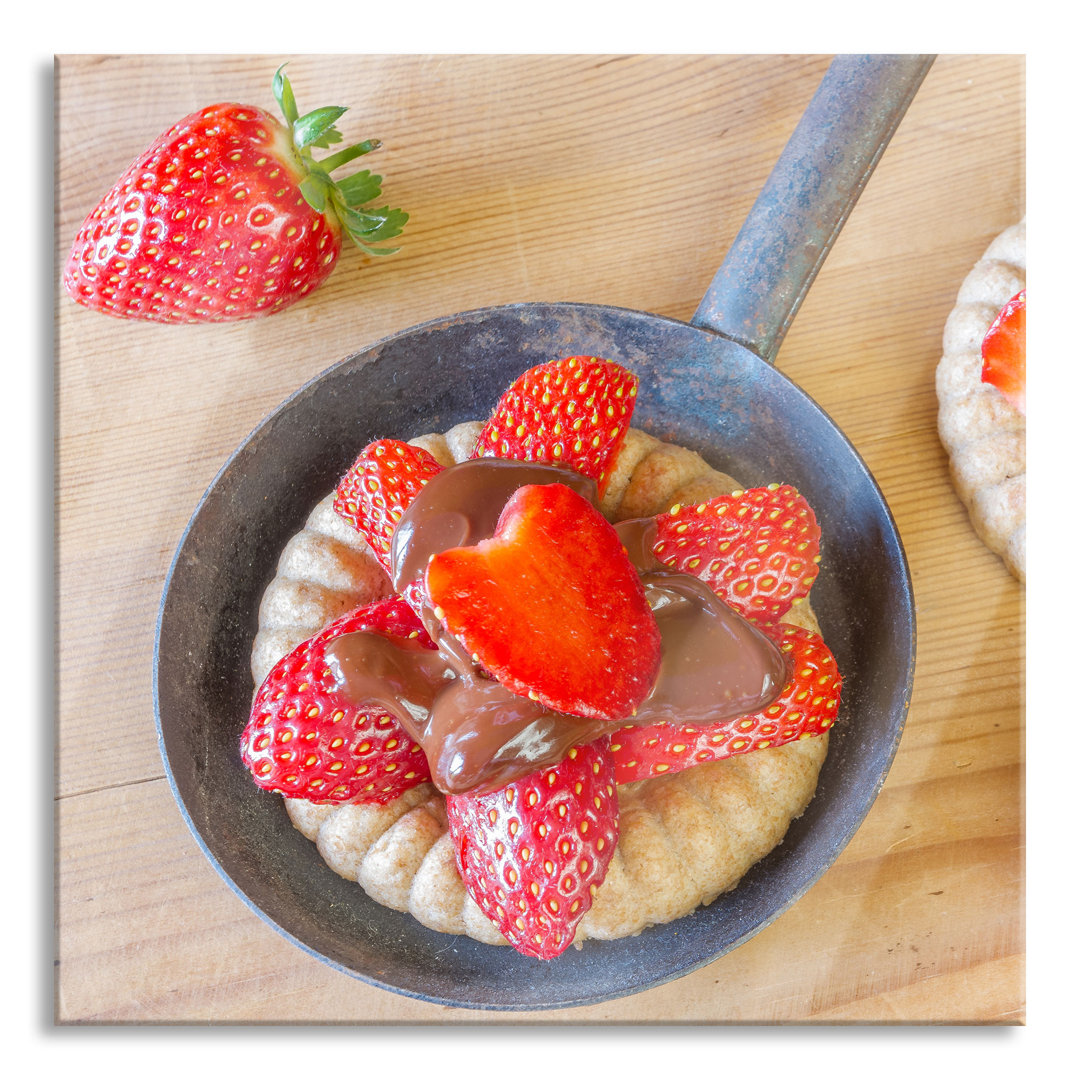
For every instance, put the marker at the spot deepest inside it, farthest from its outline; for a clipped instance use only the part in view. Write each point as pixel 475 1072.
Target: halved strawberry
pixel 533 854
pixel 307 740
pixel 756 549
pixel 551 606
pixel 573 412
pixel 1004 352
pixel 808 705
pixel 383 480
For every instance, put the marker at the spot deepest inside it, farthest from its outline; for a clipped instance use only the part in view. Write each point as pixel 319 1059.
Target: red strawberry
pixel 533 853
pixel 551 606
pixel 1004 352
pixel 378 488
pixel 756 549
pixel 573 412
pixel 307 740
pixel 808 705
pixel 226 216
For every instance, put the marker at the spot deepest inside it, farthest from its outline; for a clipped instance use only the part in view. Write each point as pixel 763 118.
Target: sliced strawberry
pixel 808 705
pixel 756 549
pixel 378 488
pixel 573 412
pixel 551 606
pixel 305 739
pixel 1004 352
pixel 533 854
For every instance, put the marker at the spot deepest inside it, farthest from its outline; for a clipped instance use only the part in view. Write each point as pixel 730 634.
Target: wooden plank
pixel 602 178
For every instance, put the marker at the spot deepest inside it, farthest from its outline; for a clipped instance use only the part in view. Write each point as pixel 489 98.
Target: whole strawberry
pixel 532 854
pixel 227 216
pixel 306 740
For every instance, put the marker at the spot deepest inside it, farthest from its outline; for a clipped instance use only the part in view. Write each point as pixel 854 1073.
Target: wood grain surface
pixel 610 179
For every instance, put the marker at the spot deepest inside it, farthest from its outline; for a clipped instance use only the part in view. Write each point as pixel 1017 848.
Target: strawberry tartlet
pixel 982 396
pixel 544 678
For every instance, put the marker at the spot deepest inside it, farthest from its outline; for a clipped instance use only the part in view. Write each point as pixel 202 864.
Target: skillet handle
pixel 808 196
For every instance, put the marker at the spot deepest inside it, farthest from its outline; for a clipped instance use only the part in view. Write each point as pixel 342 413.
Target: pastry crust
pixel 983 433
pixel 683 839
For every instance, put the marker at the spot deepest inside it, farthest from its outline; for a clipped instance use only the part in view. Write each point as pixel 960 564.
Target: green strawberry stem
pixel 346 198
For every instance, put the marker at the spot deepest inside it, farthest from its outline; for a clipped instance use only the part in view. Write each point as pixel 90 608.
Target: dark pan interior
pixel 697 389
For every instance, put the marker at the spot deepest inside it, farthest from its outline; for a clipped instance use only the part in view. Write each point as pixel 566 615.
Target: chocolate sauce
pixel 714 664
pixel 460 506
pixel 637 536
pixel 404 678
pixel 478 735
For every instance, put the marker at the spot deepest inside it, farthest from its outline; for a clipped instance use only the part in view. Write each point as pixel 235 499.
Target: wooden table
pixel 612 179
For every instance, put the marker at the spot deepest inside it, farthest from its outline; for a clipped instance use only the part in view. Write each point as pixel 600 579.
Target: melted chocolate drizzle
pixel 478 735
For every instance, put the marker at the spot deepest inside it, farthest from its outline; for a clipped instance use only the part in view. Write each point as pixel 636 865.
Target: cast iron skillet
pixel 710 385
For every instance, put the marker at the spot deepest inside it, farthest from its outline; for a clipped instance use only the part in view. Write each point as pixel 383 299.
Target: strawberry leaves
pixel 317 129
